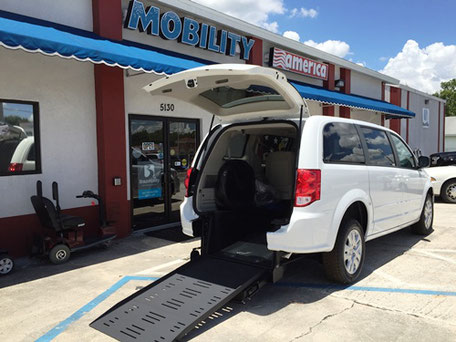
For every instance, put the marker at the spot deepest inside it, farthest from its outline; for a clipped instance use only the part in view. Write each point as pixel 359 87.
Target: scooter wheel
pixel 59 254
pixel 6 264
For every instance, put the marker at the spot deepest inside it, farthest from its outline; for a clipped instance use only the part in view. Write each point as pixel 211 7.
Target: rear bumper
pixel 187 215
pixel 306 233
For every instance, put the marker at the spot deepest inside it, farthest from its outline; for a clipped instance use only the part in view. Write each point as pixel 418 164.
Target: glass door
pixel 183 141
pixel 161 151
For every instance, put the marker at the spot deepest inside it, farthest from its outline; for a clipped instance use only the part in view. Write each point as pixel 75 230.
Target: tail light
pixel 189 180
pixel 308 185
pixel 15 167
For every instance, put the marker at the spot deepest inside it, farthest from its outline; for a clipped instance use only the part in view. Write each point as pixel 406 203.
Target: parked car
pixel 271 175
pixel 443 180
pixel 6 262
pixel 23 158
pixel 443 159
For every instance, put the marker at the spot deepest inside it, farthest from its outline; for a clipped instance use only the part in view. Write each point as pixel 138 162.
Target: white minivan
pixel 270 177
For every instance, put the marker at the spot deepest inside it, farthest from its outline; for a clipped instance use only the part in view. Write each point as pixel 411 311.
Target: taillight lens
pixel 187 181
pixel 15 167
pixel 308 185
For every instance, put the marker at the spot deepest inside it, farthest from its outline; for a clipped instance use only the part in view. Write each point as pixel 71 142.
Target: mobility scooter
pixel 64 234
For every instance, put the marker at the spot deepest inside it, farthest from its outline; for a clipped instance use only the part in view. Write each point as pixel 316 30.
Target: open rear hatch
pixel 233 92
pixel 172 306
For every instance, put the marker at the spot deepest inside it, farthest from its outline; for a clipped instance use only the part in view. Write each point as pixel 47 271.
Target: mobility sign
pixel 285 60
pixel 188 31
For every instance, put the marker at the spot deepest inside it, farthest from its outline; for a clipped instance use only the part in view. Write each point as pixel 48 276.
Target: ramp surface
pixel 172 306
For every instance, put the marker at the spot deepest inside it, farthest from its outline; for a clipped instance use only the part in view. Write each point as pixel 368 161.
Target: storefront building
pixel 74 110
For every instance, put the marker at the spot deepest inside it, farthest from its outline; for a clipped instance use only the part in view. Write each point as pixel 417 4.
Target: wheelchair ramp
pixel 175 304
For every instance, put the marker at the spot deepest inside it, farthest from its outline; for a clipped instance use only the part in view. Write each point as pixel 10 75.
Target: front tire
pixel 424 225
pixel 448 192
pixel 59 254
pixel 345 262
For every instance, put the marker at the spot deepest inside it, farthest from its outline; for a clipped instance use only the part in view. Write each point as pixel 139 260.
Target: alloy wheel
pixel 353 251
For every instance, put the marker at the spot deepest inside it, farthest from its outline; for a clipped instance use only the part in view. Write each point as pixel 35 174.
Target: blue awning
pixel 353 101
pixel 48 40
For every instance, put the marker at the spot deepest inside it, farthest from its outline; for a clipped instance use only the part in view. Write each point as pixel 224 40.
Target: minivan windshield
pixel 228 97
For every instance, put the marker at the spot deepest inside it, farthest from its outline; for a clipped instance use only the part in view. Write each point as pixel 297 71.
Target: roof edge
pixel 250 29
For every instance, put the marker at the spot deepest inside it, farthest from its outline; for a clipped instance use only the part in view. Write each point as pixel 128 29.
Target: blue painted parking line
pixel 62 326
pixel 366 289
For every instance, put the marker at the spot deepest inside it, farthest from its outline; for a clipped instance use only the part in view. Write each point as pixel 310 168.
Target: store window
pixel 379 149
pixel 341 144
pixel 19 138
pixel 426 119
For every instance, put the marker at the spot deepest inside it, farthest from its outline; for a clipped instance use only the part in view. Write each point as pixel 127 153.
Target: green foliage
pixel 448 93
pixel 14 120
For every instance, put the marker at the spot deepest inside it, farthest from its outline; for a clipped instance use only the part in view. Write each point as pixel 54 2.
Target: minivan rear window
pixel 228 97
pixel 341 144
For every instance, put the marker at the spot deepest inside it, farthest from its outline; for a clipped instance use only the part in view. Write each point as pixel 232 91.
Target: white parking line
pixel 435 256
pixel 162 266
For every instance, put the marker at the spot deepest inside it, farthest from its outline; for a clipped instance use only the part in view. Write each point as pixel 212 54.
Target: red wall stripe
pixel 345 75
pixel 110 106
pixel 329 84
pixel 395 98
pixel 256 55
pixel 383 99
pixel 438 130
pixel 444 119
pixel 408 120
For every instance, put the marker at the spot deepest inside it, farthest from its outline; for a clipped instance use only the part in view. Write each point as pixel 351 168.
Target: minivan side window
pixel 341 144
pixel 379 150
pixel 403 153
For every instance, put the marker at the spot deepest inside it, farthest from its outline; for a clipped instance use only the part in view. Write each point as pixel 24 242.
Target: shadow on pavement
pixel 305 282
pixel 29 269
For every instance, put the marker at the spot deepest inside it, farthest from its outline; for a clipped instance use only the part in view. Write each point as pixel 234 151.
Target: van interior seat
pixel 235 187
pixel 279 171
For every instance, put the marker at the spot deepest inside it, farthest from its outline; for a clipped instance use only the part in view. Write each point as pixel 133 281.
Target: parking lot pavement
pixel 407 292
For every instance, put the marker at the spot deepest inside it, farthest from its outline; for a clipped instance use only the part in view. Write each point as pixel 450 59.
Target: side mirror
pixel 423 162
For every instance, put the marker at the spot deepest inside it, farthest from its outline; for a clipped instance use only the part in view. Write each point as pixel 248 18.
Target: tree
pixel 14 120
pixel 448 93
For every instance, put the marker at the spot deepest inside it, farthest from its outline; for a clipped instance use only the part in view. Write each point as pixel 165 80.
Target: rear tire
pixel 59 254
pixel 424 225
pixel 345 262
pixel 448 192
pixel 6 264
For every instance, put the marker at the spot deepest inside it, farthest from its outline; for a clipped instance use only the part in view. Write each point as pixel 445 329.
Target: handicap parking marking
pixel 366 289
pixel 154 269
pixel 62 326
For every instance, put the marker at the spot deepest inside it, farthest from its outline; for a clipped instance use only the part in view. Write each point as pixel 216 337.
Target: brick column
pixel 256 54
pixel 395 98
pixel 329 84
pixel 438 129
pixel 407 136
pixel 345 75
pixel 110 106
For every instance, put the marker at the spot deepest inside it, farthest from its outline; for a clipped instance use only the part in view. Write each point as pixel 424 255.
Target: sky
pixel 411 40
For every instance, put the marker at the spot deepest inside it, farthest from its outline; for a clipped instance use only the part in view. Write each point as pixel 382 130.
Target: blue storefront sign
pixel 188 31
pixel 149 193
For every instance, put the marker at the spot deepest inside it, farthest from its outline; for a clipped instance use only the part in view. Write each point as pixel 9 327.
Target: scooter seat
pixel 69 221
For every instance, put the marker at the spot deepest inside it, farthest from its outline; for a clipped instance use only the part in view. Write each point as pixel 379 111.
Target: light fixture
pixel 426 101
pixel 339 83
